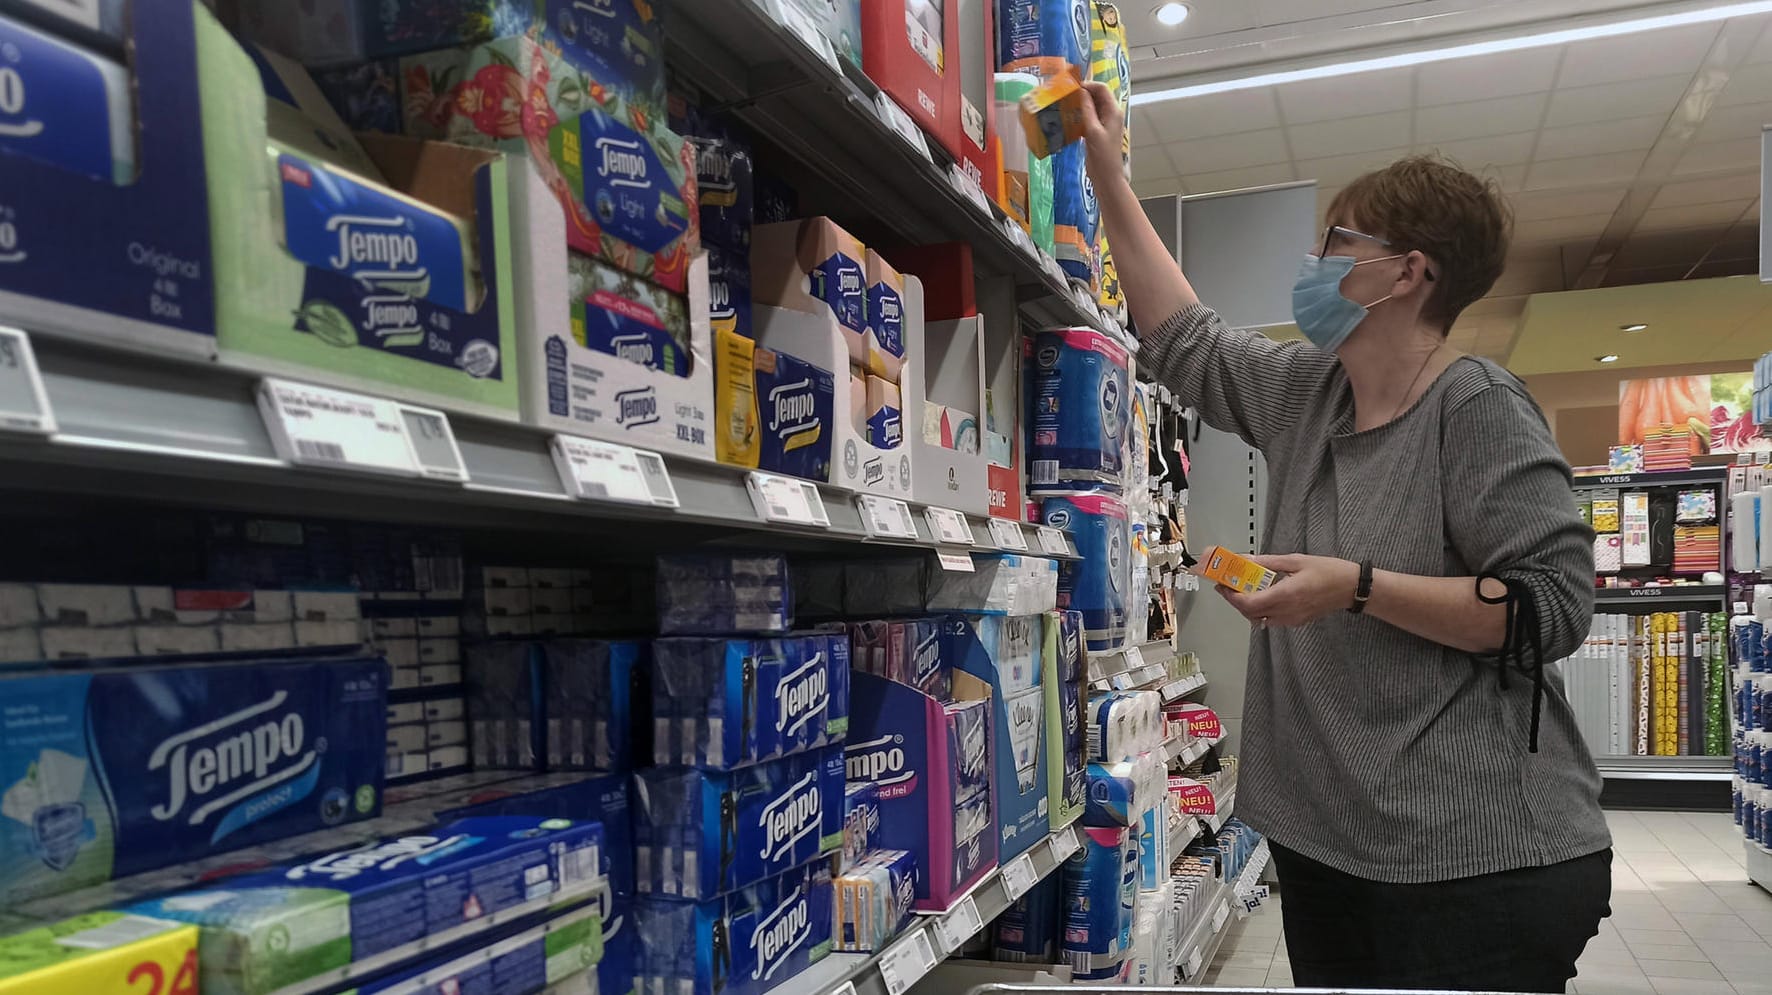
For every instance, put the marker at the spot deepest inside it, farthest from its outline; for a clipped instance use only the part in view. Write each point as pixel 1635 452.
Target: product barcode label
pixel 315 449
pixel 886 518
pixel 338 429
pixel 1045 471
pixel 960 925
pixel 592 469
pixel 24 405
pixel 1019 876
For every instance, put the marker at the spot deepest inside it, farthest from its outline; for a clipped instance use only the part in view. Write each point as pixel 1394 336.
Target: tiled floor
pixel 1685 919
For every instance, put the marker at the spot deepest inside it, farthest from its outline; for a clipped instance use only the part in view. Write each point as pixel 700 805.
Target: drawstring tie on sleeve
pixel 1522 636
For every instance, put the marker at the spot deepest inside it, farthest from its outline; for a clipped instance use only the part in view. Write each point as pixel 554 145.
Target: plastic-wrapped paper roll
pixel 1765 524
pixel 1744 543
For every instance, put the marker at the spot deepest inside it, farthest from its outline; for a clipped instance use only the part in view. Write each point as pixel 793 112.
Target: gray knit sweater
pixel 1381 754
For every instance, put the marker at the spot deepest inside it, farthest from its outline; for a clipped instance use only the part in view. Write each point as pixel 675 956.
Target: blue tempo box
pixel 742 943
pixel 728 703
pixel 592 690
pixel 729 290
pixel 723 185
pixel 520 967
pixel 602 799
pixel 503 686
pixel 1000 657
pixel 268 930
pixel 796 401
pixel 86 257
pixel 702 833
pixel 110 773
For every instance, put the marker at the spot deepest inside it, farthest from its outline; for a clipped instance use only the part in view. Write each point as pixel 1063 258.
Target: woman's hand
pixel 1103 133
pixel 1314 586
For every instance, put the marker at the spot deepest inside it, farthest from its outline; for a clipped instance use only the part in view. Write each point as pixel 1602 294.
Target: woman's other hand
pixel 1103 128
pixel 1313 586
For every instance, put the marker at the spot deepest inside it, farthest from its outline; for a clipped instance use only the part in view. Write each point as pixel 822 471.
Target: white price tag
pixel 24 405
pixel 905 963
pixel 1741 608
pixel 886 518
pixel 1193 963
pixel 322 426
pixel 1008 535
pixel 1052 541
pixel 949 526
pixel 795 20
pixel 846 988
pixel 786 500
pixel 1134 658
pixel 604 471
pixel 959 925
pixel 969 189
pixel 1019 876
pixel 1223 913
pixel 1064 845
pixel 895 118
pixel 960 562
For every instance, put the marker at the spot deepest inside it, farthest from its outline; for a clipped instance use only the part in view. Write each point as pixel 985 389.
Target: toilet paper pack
pixel 1076 217
pixel 1057 29
pixel 1100 899
pixel 700 833
pixel 268 930
pixel 1097 584
pixel 114 772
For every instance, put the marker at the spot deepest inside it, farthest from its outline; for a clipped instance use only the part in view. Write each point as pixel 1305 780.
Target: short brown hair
pixel 1428 203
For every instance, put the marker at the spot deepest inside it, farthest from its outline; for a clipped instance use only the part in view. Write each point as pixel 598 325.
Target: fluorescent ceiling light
pixel 1632 328
pixel 1605 359
pixel 1171 14
pixel 1538 40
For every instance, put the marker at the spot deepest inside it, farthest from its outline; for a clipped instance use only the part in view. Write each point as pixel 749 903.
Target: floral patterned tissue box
pixel 1626 459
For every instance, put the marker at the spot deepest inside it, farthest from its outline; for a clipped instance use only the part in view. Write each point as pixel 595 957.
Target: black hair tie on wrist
pixel 1521 635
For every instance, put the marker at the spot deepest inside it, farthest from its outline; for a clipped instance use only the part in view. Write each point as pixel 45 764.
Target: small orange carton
pixel 1052 113
pixel 1239 573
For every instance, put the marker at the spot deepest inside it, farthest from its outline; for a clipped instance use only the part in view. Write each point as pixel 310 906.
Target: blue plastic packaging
pixel 1079 399
pixel 723 185
pixel 594 689
pixel 1097 585
pixel 743 943
pixel 728 703
pixel 999 657
pixel 1100 893
pixel 724 594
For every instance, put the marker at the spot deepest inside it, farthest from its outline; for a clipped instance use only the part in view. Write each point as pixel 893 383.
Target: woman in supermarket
pixel 1433 812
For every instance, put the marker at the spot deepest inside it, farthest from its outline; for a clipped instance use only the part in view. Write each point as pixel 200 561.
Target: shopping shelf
pixel 1665 592
pixel 1177 690
pixel 1185 832
pixel 870 162
pixel 1194 953
pixel 931 939
pixel 1249 880
pixel 1224 805
pixel 1185 750
pixel 1759 864
pixel 176 432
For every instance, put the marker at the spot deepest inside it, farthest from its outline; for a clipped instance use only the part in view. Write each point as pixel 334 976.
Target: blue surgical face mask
pixel 1325 316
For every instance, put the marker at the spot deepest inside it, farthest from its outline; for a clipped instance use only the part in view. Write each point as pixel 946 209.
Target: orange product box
pixel 1239 573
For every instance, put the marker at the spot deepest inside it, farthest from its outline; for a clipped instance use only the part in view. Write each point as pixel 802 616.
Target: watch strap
pixel 1362 591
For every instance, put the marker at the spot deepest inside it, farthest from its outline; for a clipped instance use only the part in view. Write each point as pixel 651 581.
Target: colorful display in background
pixel 1716 406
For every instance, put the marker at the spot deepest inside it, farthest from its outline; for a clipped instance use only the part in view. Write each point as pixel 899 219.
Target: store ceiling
pixel 1629 160
pixel 1570 331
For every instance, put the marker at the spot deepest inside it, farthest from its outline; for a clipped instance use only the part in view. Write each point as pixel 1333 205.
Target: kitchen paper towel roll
pixel 1744 541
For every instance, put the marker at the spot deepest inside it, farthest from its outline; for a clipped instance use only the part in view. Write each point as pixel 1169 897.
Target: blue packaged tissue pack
pixel 904 650
pixel 525 962
pixel 728 703
pixel 701 833
pixel 99 22
pixel 110 773
pixel 1077 392
pixel 1100 894
pixel 1096 584
pixel 861 820
pixel 729 291
pixel 1000 658
pixel 796 401
pixel 503 689
pixel 743 943
pixel 593 688
pixel 723 184
pixel 701 594
pixel 1067 754
pixel 271 929
pixel 599 798
pixel 72 107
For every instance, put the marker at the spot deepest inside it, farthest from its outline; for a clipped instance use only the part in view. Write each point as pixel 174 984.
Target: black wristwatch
pixel 1362 592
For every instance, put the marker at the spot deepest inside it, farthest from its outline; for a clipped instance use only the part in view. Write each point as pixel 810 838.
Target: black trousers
pixel 1516 931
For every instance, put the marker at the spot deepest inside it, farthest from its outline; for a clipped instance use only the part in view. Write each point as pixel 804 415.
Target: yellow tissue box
pixel 100 953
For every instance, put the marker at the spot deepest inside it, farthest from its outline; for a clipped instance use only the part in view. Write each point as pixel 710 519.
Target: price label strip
pixel 958 562
pixel 895 118
pixel 786 500
pixel 969 189
pixel 24 404
pixel 1052 541
pixel 960 925
pixel 1064 845
pixel 341 430
pixel 905 963
pixel 886 518
pixel 949 527
pixel 593 470
pixel 1193 962
pixel 1008 535
pixel 846 988
pixel 1019 876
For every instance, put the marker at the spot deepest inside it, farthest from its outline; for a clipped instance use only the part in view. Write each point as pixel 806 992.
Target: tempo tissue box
pixel 737 440
pixel 594 689
pixel 796 401
pixel 885 413
pixel 742 943
pixel 814 266
pixel 617 314
pixel 271 929
pixel 700 833
pixel 81 255
pixel 133 769
pixel 96 952
pixel 728 703
pixel 886 319
pixel 729 290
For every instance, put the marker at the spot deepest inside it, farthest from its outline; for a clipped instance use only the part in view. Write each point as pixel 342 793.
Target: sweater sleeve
pixel 1240 381
pixel 1510 509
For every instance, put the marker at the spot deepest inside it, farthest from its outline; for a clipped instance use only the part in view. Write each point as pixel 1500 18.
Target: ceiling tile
pixel 1585 171
pixel 1477 154
pixel 1156 188
pixel 1739 186
pixel 1565 204
pixel 1511 179
pixel 1715 215
pixel 1719 156
pixel 1478 118
pixel 1140 126
pixel 1733 123
pixel 1609 101
pixel 1533 269
pixel 1502 75
pixel 1208 155
pixel 1762 52
pixel 1152 164
pixel 1637 56
pixel 1338 170
pixel 1646 249
pixel 1349 135
pixel 1238 179
pixel 1347 96
pixel 1748 85
pixel 1624 135
pixel 1213 114
pixel 1274 12
pixel 1561 229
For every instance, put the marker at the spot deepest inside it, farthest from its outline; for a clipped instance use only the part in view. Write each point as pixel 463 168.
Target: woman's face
pixel 1375 274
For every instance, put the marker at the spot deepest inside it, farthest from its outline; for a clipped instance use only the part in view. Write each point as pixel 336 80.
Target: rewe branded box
pixel 116 772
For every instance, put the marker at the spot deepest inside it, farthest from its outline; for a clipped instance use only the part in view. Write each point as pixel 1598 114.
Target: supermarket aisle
pixel 1685 919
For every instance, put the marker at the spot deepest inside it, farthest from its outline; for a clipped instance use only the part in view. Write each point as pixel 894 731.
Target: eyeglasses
pixel 1331 233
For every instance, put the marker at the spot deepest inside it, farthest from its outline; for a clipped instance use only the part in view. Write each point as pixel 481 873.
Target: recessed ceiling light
pixel 1171 14
pixel 1632 328
pixel 1605 359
